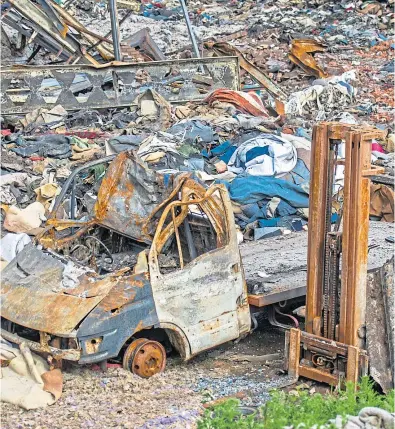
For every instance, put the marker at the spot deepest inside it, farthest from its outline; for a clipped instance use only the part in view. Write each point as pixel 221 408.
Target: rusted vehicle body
pixel 158 254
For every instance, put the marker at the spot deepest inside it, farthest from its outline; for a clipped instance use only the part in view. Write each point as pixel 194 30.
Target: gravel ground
pixel 173 399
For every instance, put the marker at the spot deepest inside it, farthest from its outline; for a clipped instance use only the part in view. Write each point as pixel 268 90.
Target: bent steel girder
pixel 132 79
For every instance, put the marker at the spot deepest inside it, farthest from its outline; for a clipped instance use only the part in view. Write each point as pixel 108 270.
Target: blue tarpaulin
pixel 252 189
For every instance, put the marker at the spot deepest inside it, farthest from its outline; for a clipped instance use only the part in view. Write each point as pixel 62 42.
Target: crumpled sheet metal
pixel 44 24
pixel 132 80
pixel 129 200
pixel 129 194
pixel 300 55
pixel 28 293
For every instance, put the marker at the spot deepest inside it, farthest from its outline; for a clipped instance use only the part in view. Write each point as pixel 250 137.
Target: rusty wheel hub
pixel 145 358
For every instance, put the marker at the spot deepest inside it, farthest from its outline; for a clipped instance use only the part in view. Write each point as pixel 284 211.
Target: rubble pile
pixel 337 65
pixel 241 115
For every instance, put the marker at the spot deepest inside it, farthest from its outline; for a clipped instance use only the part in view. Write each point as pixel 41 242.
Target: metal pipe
pixel 190 30
pixel 115 29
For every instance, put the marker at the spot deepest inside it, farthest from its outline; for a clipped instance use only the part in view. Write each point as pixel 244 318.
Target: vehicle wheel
pixel 144 357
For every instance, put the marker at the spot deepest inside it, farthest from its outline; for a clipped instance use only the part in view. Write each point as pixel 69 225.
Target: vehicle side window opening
pixel 190 230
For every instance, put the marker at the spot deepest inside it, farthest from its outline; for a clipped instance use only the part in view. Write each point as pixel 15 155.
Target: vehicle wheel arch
pixel 178 339
pixel 175 335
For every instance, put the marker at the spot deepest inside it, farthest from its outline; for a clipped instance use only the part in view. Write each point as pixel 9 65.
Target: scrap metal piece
pixel 224 48
pixel 224 73
pixel 30 281
pixel 323 360
pixel 292 354
pixel 56 37
pixel 300 54
pixel 144 43
pixel 120 207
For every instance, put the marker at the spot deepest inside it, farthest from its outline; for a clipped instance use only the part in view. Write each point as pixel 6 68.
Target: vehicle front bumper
pixel 68 354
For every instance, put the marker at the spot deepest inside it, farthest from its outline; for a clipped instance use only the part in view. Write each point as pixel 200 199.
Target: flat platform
pixel 276 268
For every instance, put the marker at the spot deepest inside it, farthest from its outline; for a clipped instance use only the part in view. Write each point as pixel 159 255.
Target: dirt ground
pixel 172 399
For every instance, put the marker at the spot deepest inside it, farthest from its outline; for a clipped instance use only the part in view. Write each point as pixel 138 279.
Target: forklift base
pixel 331 362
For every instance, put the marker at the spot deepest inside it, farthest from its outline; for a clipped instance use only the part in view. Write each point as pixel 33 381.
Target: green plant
pixel 298 409
pixel 227 415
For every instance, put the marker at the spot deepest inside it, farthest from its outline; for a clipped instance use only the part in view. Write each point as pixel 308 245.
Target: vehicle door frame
pixel 199 195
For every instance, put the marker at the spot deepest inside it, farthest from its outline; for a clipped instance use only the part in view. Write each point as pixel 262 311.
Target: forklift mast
pixel 331 348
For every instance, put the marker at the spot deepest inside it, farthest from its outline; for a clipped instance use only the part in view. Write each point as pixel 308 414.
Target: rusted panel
pixel 345 239
pixel 300 55
pixel 353 365
pixel 124 292
pixel 331 347
pixel 355 247
pixel 373 170
pixel 29 296
pixel 178 339
pixel 93 345
pixel 223 73
pixel 316 374
pixel 128 308
pixel 90 285
pixel 128 195
pixel 361 221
